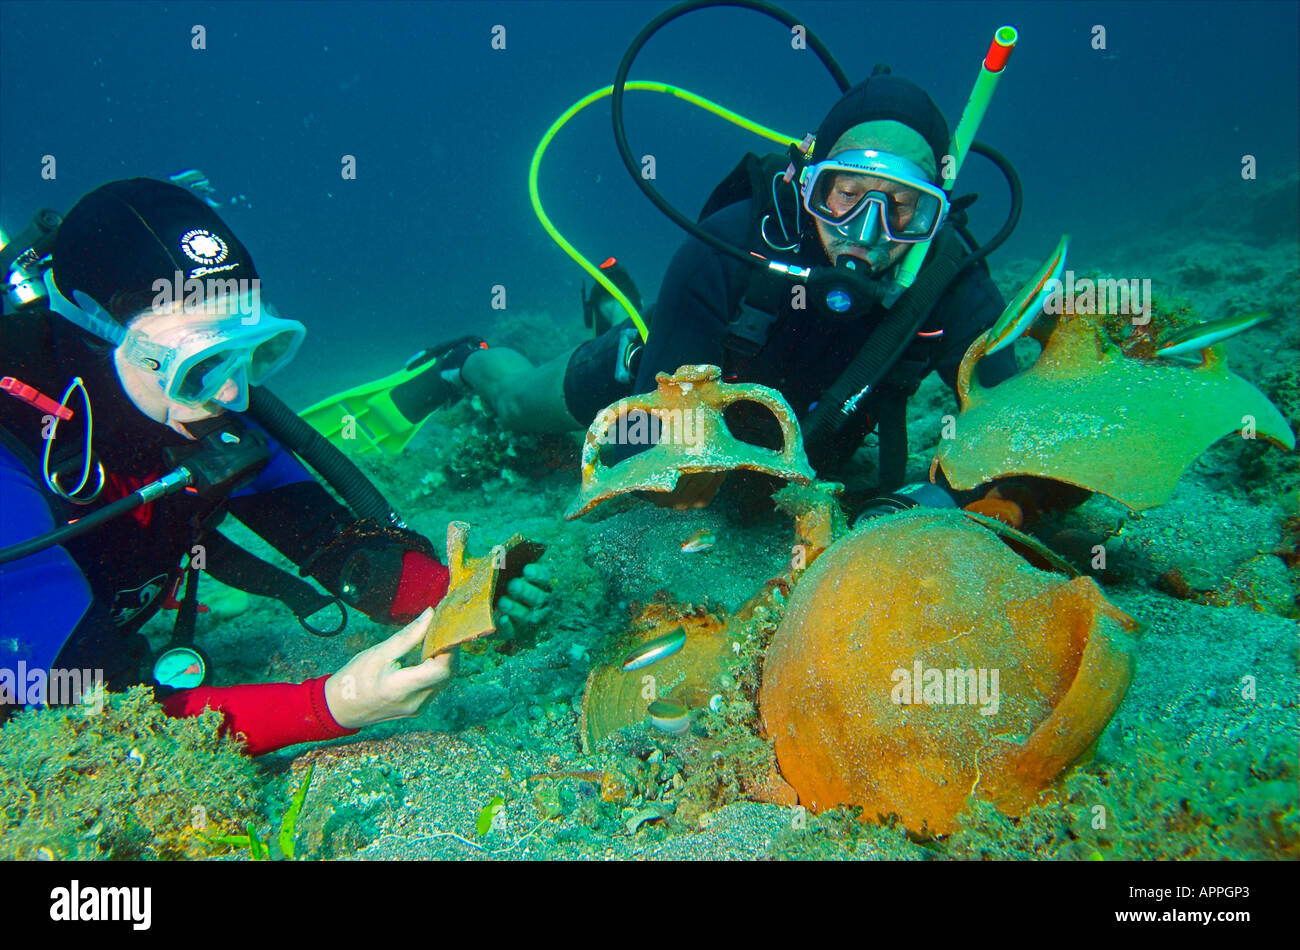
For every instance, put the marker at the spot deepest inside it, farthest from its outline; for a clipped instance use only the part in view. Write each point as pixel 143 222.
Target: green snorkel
pixel 986 83
pixel 647 86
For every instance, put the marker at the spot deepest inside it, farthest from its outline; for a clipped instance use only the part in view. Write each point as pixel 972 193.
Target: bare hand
pixel 525 600
pixel 374 687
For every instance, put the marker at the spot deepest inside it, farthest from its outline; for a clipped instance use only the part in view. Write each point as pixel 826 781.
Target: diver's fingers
pixel 406 639
pixel 527 593
pixel 539 575
pixel 422 676
pixel 505 626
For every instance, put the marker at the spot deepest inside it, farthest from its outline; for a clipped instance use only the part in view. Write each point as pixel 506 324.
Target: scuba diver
pixel 110 497
pixel 867 191
pixel 840 273
pixel 802 275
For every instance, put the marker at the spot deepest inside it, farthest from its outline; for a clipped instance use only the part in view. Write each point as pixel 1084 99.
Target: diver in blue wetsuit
pixel 153 329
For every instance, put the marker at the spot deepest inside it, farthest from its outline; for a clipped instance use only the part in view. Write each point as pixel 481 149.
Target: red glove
pixel 423 583
pixel 268 716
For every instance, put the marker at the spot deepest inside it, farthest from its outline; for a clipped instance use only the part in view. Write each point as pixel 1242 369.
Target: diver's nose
pixel 865 226
pixel 228 393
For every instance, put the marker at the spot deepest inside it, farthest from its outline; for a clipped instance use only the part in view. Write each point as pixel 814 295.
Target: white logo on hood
pixel 203 247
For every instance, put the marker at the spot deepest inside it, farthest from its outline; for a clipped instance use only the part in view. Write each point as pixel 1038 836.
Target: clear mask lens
pixel 196 361
pixel 858 203
pixel 270 356
pixel 203 379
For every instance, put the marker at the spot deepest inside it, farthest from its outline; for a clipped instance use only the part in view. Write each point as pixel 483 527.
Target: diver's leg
pixel 561 395
pixel 523 397
pixel 533 401
pixel 488 371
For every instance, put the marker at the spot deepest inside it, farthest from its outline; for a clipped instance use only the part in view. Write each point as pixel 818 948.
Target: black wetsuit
pixel 804 353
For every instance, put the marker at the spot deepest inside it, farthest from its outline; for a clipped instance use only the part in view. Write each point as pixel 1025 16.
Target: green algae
pixel 284 841
pixel 1159 803
pixel 127 782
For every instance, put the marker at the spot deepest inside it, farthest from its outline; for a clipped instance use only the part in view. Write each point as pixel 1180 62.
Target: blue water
pixel 443 128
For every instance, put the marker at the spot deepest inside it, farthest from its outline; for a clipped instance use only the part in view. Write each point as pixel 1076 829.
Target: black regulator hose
pixel 69 531
pixel 287 428
pixel 620 81
pixel 1013 215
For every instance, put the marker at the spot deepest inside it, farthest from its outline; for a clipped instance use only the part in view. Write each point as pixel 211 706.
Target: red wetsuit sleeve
pixel 265 716
pixel 270 716
pixel 423 583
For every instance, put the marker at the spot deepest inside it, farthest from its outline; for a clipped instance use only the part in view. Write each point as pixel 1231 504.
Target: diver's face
pixel 846 192
pixel 145 388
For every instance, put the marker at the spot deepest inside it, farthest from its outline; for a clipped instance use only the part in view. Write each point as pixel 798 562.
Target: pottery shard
pixel 465 613
pixel 615 698
pixel 1086 414
pixel 689 436
pixel 934 603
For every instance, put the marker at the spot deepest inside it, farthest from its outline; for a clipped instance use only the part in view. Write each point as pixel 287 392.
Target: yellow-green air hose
pixel 678 92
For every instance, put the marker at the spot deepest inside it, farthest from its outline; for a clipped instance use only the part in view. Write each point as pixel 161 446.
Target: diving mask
pixel 195 360
pixel 869 196
pixel 216 343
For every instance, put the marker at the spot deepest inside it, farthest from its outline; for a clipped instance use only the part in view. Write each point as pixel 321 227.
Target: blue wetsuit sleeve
pixel 283 469
pixel 44 596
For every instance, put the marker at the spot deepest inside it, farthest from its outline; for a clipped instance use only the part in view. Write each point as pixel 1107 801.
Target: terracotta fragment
pixel 934 593
pixel 614 698
pixel 693 438
pixel 466 612
pixel 1089 415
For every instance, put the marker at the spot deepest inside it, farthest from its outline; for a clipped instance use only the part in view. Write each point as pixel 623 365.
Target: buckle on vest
pixel 748 333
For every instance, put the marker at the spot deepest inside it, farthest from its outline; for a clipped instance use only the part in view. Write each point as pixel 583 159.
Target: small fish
pixel 670 716
pixel 1201 335
pixel 655 650
pixel 701 540
pixel 1029 302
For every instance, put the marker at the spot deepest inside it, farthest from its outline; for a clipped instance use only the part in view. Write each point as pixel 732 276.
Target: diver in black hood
pixel 154 330
pixel 870 189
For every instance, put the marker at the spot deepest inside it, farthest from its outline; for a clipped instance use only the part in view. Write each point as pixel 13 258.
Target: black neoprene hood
pixel 884 96
pixel 123 236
